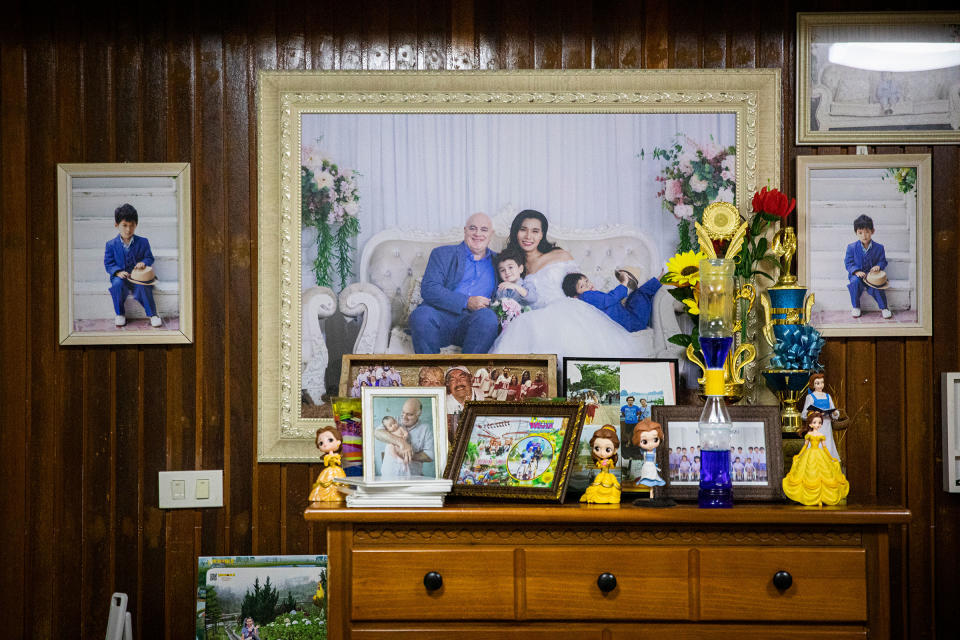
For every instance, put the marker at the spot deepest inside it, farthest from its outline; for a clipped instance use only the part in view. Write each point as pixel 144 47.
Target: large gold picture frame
pixel 841 102
pixel 752 95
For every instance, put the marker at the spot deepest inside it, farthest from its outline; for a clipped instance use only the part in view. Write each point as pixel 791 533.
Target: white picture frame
pixel 832 191
pixel 378 403
pixel 950 399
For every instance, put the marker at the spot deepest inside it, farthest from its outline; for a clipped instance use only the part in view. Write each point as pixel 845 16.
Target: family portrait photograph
pixel 125 253
pixel 520 224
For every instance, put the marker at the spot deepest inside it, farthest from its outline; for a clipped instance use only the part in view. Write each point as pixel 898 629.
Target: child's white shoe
pixel 120 321
pixel 155 321
pixel 856 312
pixel 886 314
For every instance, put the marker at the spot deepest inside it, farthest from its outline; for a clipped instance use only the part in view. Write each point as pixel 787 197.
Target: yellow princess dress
pixel 815 477
pixel 325 488
pixel 604 489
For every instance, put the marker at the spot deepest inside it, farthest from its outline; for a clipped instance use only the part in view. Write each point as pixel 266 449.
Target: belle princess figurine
pixel 329 441
pixel 819 400
pixel 605 489
pixel 815 477
pixel 648 435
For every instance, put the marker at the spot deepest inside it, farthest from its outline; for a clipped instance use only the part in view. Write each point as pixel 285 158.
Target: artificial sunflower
pixel 683 269
pixel 693 304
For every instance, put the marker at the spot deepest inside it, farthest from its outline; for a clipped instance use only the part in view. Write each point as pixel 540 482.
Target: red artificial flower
pixel 773 202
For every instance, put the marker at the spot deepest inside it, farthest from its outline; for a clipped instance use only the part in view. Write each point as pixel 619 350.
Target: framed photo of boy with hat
pixel 863 237
pixel 125 253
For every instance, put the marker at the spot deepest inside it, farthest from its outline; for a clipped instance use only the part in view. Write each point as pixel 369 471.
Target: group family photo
pixel 503 233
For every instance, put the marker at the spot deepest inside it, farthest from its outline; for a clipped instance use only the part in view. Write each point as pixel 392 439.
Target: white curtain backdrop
pixel 430 171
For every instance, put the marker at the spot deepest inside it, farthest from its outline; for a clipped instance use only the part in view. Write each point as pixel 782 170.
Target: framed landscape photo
pixel 125 253
pixel 886 199
pixel 755 455
pixel 878 78
pixel 620 393
pixel 357 189
pixel 515 450
pixel 404 433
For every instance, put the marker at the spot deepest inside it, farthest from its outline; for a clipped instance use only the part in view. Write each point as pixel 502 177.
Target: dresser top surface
pixel 474 512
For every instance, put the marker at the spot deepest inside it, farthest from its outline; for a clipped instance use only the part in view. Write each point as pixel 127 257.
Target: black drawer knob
pixel 782 580
pixel 607 582
pixel 433 581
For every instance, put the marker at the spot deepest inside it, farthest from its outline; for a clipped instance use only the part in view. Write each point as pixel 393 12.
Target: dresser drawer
pixel 477 583
pixel 561 583
pixel 827 584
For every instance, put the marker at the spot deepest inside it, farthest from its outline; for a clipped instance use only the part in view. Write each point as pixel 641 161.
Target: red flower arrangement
pixel 770 206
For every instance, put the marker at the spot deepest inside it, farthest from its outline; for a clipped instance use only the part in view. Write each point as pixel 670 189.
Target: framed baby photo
pixel 620 393
pixel 125 253
pixel 404 433
pixel 360 208
pixel 878 78
pixel 515 450
pixel 863 243
pixel 755 457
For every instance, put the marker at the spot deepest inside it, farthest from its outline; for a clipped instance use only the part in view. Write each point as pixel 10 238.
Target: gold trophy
pixel 722 224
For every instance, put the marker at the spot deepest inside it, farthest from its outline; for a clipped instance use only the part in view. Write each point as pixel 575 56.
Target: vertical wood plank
pixel 376 35
pixel 516 39
pixel 547 36
pixel 630 35
pixel 463 50
pixel 348 33
pixel 434 34
pixel 210 235
pixel 14 309
pixel 891 421
pixel 403 40
pixel 485 15
pixel 576 27
pixel 321 48
pixel 862 397
pixel 239 175
pixel 69 485
pixel 685 37
pixel 656 27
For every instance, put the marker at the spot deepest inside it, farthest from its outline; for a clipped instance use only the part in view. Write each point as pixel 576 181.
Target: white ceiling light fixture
pixel 896 56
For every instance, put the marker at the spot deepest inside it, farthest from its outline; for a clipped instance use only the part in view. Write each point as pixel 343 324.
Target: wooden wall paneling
pixel 434 34
pixel 183 448
pixel 319 42
pixel 239 432
pixel 630 35
pixel 486 36
pixel 713 35
pixel 576 28
pixel 919 455
pixel 656 27
pixel 891 421
pixel 516 37
pixel 603 39
pixel 742 52
pixel 403 40
pixel 348 27
pixel 861 380
pixel 265 499
pixel 685 36
pixel 463 48
pixel 15 385
pixel 290 37
pixel 375 35
pixel 946 357
pixel 547 35
pixel 69 484
pixel 210 258
pixel 296 533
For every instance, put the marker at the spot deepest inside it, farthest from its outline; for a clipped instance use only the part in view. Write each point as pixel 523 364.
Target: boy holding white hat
pixel 129 263
pixel 865 261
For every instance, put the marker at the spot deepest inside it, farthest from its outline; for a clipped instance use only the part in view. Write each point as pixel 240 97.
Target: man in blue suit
pixel 863 257
pixel 456 289
pixel 122 255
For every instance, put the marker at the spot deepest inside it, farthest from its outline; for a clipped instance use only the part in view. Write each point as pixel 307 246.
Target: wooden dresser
pixel 604 571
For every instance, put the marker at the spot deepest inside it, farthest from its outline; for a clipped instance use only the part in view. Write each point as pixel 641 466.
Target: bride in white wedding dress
pixel 557 324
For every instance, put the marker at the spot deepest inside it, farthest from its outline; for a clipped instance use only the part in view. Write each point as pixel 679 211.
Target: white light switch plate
pixel 174 495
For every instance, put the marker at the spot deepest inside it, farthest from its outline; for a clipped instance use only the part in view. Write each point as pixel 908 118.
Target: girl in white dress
pixel 557 324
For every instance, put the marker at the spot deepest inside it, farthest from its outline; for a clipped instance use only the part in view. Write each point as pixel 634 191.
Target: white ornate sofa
pixel 392 263
pixel 848 98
